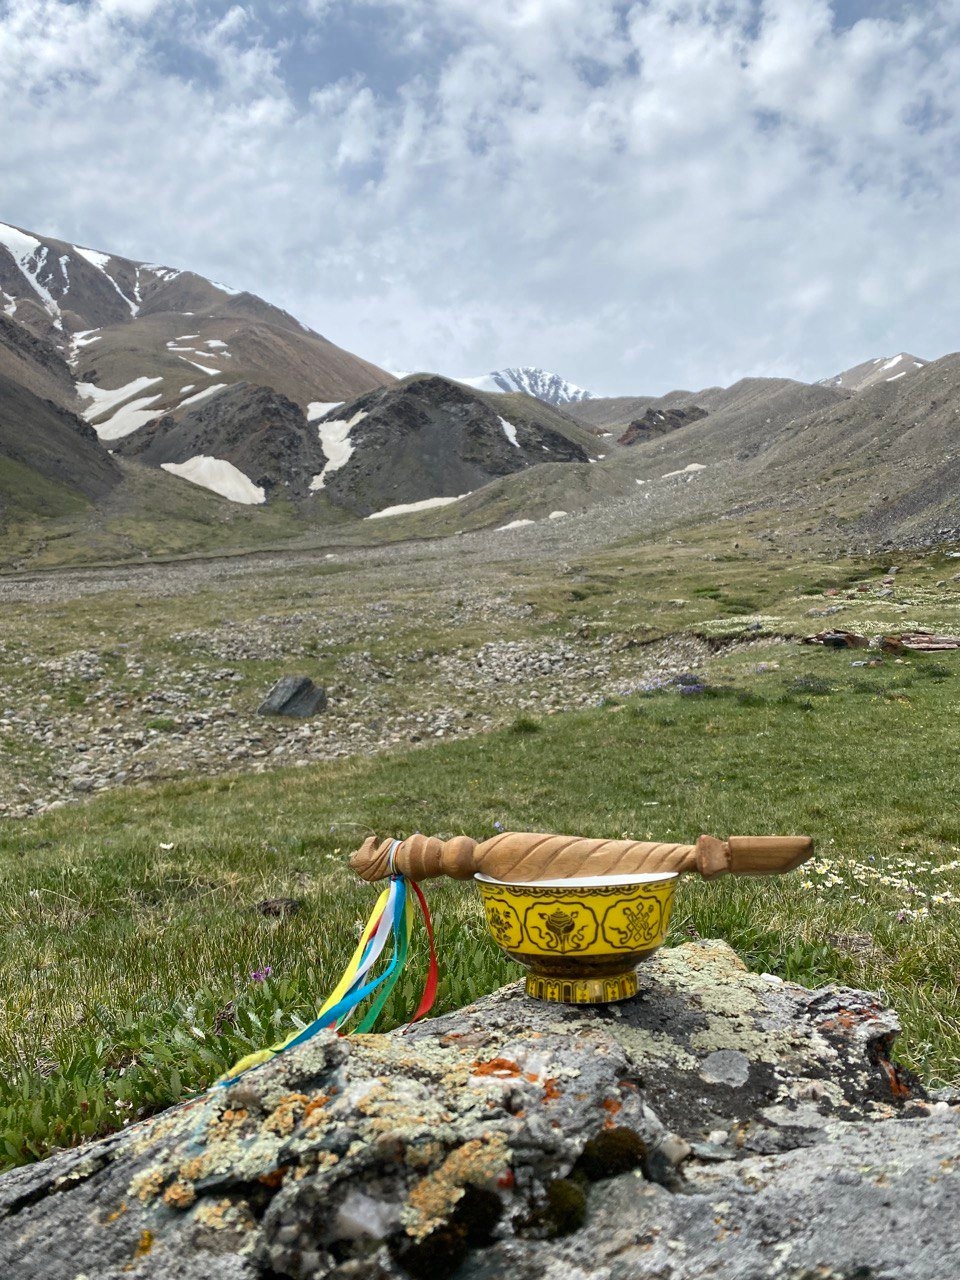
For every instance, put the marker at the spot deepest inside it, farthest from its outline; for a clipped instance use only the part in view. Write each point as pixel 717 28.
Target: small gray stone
pixel 726 1066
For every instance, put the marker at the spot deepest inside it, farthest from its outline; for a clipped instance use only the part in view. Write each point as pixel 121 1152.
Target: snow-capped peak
pixel 549 387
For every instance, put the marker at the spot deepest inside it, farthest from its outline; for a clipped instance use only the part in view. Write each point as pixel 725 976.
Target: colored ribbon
pixel 392 917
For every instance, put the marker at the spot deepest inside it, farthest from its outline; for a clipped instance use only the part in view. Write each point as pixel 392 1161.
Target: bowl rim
pixel 582 882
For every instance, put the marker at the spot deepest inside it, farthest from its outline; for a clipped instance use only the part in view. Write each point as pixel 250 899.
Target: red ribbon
pixel 433 973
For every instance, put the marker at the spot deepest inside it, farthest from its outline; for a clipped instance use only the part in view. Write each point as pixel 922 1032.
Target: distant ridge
pixel 124 342
pixel 548 387
pixel 870 372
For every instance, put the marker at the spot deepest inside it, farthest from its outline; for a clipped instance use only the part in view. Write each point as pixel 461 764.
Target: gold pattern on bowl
pixel 580 939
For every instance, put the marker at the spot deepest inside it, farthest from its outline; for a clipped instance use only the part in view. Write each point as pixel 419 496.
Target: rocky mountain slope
pixel 246 443
pixel 50 460
pixel 424 441
pixel 887 459
pixel 428 440
pixel 549 387
pixel 140 340
pixel 870 372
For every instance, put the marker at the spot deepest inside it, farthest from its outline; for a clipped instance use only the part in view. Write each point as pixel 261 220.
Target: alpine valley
pixel 146 410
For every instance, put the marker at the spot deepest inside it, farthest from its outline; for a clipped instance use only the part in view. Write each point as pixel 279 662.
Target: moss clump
pixel 612 1152
pixel 566 1208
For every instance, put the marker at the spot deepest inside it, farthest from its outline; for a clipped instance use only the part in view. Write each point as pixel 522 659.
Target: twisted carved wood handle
pixel 524 856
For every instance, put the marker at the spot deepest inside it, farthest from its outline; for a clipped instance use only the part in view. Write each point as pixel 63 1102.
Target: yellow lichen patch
pixel 146 1184
pixel 285 1114
pixel 223 1215
pixel 144 1244
pixel 195 1168
pixel 117 1213
pixel 433 1198
pixel 227 1124
pixel 179 1194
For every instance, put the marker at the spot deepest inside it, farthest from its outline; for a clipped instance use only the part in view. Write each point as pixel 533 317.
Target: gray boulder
pixel 294 696
pixel 721 1124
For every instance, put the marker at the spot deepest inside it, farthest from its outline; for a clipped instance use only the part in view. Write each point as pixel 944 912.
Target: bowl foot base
pixel 606 990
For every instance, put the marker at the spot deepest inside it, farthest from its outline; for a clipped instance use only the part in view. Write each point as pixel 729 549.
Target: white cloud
pixel 668 193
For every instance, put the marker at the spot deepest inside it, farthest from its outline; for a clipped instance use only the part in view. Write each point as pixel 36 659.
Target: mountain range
pixel 134 395
pixel 549 387
pixel 125 342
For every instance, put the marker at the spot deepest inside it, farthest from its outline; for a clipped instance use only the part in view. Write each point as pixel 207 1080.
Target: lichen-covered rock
pixel 722 1123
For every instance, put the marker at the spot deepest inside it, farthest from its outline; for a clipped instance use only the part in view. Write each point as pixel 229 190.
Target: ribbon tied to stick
pixel 392 919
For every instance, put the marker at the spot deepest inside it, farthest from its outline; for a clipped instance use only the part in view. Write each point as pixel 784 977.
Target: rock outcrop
pixel 427 437
pixel 256 429
pixel 722 1123
pixel 660 422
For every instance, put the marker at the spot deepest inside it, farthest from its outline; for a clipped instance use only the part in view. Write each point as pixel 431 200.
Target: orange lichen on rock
pixel 195 1168
pixel 312 1112
pixel 612 1106
pixel 477 1163
pixel 224 1126
pixel 180 1194
pixel 503 1068
pixel 285 1114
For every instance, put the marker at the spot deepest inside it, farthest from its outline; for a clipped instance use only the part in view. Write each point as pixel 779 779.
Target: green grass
pixel 131 934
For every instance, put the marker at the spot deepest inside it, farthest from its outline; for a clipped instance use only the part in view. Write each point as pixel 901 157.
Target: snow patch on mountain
pixel 549 387
pixel 103 399
pixel 220 477
pixel 510 431
pixel 335 442
pixel 870 372
pixel 406 508
pixel 83 338
pixel 202 395
pixel 31 257
pixel 317 408
pixel 128 418
pixel 100 260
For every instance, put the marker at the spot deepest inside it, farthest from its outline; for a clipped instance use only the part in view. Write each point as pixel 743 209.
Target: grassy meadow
pixel 135 966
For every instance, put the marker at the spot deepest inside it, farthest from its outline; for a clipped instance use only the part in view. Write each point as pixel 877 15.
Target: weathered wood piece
pixel 918 642
pixel 532 856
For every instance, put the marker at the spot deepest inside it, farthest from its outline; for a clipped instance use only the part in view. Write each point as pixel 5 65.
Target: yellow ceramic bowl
pixel 581 939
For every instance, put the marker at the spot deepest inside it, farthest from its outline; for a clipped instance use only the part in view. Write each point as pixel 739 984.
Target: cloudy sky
pixel 637 195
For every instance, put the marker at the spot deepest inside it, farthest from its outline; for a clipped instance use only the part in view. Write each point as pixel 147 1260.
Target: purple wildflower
pixel 498 826
pixel 261 975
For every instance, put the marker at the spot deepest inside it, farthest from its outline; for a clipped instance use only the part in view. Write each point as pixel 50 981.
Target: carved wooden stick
pixel 526 856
